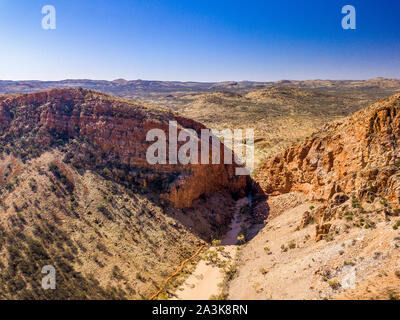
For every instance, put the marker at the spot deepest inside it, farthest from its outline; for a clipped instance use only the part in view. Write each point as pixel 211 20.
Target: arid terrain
pixel 334 219
pixel 77 193
pixel 280 113
pixel 349 172
pixel 318 219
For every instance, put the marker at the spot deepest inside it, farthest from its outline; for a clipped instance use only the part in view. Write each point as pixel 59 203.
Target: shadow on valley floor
pixel 222 215
pixel 259 212
pixel 249 217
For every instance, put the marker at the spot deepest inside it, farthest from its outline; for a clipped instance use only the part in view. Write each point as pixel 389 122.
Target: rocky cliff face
pixel 334 214
pixel 108 134
pixel 77 193
pixel 359 156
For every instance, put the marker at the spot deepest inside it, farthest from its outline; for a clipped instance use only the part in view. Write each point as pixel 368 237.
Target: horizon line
pixel 195 81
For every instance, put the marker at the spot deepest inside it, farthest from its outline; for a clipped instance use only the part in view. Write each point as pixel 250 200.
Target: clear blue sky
pixel 199 40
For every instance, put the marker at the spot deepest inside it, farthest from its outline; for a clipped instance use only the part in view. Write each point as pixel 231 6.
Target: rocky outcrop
pixel 359 155
pixel 101 132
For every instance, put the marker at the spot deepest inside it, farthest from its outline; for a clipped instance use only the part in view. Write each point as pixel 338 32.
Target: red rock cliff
pixel 107 133
pixel 357 155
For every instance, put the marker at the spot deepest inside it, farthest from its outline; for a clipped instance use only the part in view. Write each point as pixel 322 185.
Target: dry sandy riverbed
pixel 203 282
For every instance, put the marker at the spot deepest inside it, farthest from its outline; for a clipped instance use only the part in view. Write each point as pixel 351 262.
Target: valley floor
pixel 285 262
pixel 205 280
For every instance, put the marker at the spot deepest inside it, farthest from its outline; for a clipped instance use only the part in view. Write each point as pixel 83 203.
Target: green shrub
pixel 263 271
pixel 292 245
pixel 101 207
pixel 241 239
pixel 334 284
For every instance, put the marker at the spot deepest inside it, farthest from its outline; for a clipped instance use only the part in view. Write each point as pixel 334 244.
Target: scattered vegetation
pixel 393 296
pixel 241 239
pixel 334 284
pixel 263 271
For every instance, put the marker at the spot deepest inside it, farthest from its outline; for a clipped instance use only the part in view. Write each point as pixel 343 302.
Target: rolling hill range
pixel 140 88
pixel 279 116
pixel 281 112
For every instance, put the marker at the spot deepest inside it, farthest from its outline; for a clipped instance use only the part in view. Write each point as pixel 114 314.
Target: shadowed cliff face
pixel 359 155
pixel 97 131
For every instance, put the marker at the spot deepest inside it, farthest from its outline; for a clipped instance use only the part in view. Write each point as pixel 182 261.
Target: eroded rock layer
pixel 109 134
pixel 359 155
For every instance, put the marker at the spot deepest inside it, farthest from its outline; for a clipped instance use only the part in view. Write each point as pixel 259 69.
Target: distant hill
pixel 280 112
pixel 126 88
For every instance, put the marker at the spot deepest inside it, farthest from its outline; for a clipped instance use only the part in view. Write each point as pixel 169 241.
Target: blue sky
pixel 199 40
